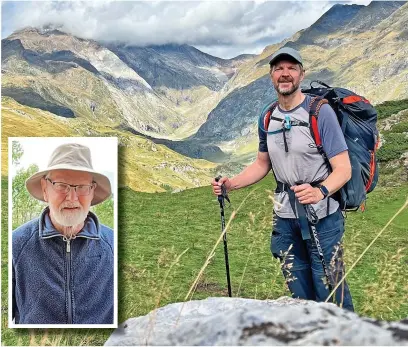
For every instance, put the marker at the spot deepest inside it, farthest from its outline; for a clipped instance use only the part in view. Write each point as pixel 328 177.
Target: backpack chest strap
pixel 286 122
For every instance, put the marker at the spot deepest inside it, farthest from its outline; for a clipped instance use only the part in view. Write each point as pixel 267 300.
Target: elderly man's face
pixel 68 208
pixel 286 77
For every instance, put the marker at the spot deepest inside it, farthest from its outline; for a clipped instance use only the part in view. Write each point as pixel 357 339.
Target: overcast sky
pixel 221 28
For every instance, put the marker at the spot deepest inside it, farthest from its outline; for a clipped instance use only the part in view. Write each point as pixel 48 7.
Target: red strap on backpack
pixel 314 108
pixel 268 114
pixel 372 165
pixel 354 98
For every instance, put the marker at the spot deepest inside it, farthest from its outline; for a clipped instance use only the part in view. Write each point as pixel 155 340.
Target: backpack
pixel 357 118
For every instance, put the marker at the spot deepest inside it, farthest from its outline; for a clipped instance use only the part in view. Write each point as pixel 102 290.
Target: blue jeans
pixel 300 261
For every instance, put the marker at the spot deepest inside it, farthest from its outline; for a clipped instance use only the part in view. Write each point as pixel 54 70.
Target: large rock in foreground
pixel 237 321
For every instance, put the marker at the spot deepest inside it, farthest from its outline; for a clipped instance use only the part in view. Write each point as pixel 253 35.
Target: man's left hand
pixel 306 194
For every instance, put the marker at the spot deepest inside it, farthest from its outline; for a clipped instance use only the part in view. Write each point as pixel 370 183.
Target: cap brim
pixel 281 56
pixel 102 190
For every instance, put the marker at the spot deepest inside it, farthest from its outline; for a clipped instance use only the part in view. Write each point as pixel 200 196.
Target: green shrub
pixel 395 144
pixel 25 207
pixel 400 127
pixel 104 211
pixel 167 187
pixel 388 108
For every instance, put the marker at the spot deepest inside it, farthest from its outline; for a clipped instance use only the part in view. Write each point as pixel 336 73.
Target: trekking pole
pixel 221 198
pixel 313 220
pixel 320 251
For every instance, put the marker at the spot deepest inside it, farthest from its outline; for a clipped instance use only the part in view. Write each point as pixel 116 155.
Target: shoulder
pixel 308 99
pixel 306 102
pixel 106 234
pixel 326 108
pixel 327 116
pixel 23 234
pixel 26 230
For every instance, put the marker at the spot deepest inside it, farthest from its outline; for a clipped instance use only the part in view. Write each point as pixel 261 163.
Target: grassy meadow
pixel 164 240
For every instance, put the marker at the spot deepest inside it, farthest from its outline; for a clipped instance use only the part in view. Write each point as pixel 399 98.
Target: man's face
pixel 71 208
pixel 286 77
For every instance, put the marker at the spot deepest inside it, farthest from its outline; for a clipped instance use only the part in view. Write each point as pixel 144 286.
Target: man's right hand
pixel 217 185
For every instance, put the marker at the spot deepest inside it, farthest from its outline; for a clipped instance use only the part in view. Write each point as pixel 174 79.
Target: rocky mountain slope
pixel 37 65
pixel 149 89
pixel 350 18
pixel 175 66
pixel 187 77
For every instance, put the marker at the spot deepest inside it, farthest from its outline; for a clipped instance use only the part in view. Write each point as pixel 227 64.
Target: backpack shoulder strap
pixel 314 108
pixel 268 114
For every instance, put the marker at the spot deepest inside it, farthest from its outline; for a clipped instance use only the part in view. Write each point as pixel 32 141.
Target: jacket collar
pixel 91 229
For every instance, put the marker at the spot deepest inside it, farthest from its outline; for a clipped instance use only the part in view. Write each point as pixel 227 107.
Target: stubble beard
pixel 287 91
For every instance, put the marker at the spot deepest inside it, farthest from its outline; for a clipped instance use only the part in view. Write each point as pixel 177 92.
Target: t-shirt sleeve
pixel 333 141
pixel 263 144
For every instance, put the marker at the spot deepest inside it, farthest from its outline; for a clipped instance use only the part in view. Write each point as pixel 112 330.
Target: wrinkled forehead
pixel 70 176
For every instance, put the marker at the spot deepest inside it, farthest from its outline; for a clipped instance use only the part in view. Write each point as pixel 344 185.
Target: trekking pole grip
pixel 221 196
pixel 224 193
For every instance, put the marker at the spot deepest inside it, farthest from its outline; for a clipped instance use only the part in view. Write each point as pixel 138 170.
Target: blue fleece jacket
pixel 62 282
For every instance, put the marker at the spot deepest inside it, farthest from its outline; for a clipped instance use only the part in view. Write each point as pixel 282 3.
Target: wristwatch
pixel 324 191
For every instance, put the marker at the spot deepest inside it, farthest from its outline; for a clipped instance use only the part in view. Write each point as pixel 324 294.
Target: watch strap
pixel 324 190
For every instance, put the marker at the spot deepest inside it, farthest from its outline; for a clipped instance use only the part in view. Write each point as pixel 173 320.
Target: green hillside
pixel 393 127
pixel 154 229
pixel 142 165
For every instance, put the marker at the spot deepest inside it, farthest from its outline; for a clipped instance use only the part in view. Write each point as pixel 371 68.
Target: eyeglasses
pixel 65 188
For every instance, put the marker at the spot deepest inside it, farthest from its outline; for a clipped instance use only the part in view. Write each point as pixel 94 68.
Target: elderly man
pixel 63 260
pixel 293 157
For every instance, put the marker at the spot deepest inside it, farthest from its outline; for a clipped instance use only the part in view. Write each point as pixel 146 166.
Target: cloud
pixel 227 27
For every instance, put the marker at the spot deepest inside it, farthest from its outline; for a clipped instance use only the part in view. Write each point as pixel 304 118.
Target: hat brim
pixel 101 193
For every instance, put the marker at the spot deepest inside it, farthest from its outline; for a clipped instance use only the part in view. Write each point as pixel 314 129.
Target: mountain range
pixel 175 104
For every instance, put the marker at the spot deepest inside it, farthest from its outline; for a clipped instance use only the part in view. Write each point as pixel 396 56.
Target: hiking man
pixel 63 260
pixel 292 155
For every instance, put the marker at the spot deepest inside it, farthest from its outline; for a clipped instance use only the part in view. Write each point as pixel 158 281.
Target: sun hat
pixel 288 52
pixel 71 156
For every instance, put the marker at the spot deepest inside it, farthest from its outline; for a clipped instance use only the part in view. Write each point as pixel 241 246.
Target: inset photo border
pixel 63 232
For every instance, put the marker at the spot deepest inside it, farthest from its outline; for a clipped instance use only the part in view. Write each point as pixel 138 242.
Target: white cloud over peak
pixel 229 28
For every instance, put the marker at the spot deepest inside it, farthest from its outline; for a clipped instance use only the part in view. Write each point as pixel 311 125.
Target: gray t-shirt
pixel 302 162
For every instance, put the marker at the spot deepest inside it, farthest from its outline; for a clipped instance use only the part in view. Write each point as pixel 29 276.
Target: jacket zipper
pixel 69 268
pixel 69 290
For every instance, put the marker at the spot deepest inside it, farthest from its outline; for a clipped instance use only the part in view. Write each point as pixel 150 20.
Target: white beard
pixel 70 218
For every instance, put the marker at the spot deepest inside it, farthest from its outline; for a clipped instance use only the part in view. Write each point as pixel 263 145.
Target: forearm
pixel 251 174
pixel 337 179
pixel 340 175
